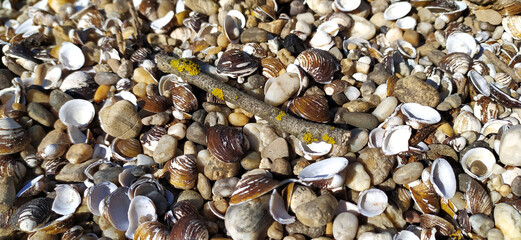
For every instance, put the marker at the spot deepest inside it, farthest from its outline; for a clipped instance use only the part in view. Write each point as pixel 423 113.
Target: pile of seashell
pixel 97 143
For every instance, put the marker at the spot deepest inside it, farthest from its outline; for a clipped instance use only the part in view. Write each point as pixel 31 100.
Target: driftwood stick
pixel 503 66
pixel 304 130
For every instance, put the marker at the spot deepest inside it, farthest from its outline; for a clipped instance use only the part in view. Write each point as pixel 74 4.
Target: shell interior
pixel 479 82
pixel 372 202
pixel 315 149
pixel 31 188
pixel 397 10
pixel 97 193
pixel 478 163
pixel 117 207
pixel 141 210
pixel 160 23
pixel 396 139
pixel 77 112
pixel 443 179
pixel 67 199
pixel 71 56
pixel 416 112
pixel 278 209
pixel 324 169
pixel 347 5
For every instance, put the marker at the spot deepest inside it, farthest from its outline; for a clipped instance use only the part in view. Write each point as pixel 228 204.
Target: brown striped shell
pixel 183 98
pixel 59 225
pixel 444 227
pixel 456 62
pixel 319 64
pixel 236 63
pixel 184 208
pixel 73 233
pixel 182 171
pixel 32 214
pixel 478 199
pixel 190 228
pixel 13 137
pixel 154 104
pixel 151 230
pixel 150 138
pixel 226 144
pixel 13 168
pixel 272 67
pixel 253 186
pixel 126 149
pixel 425 197
pixel 310 107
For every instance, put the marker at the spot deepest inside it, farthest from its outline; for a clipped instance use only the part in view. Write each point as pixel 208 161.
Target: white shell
pixel 324 169
pixel 315 150
pixel 462 42
pixel 372 202
pixel 234 22
pixel 141 209
pixel 376 137
pixel 322 40
pixel 159 25
pixel 71 56
pixel 493 126
pixel 330 27
pixel 406 49
pixel 479 82
pixel 484 156
pixel 466 121
pixel 418 115
pixel 302 76
pixel 443 179
pixel 115 208
pixel 397 10
pixel 347 5
pixel 97 193
pixel 396 139
pixel 406 23
pixel 278 210
pixel 77 113
pixel 35 184
pixel 406 235
pixel 67 199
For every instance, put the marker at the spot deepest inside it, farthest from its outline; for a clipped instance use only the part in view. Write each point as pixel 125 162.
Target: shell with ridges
pixel 32 214
pixel 272 67
pixel 141 209
pixel 126 149
pixel 190 228
pixel 11 167
pixel 236 63
pixel 478 199
pixel 319 64
pixel 253 186
pixel 456 62
pixel 59 225
pixel 13 137
pixel 33 187
pixel 444 227
pixel 151 230
pixel 226 144
pixel 182 171
pixel 425 197
pixel 310 107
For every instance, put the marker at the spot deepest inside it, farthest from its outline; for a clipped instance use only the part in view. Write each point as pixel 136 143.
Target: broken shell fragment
pixel 141 209
pixel 372 202
pixel 327 174
pixel 96 194
pixel 278 209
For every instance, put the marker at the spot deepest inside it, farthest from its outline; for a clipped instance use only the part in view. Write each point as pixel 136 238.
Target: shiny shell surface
pixel 252 186
pixel 443 179
pixel 226 144
pixel 311 107
pixel 478 163
pixel 456 62
pixel 236 63
pixel 32 214
pixel 372 202
pixel 13 137
pixel 319 64
pixel 182 171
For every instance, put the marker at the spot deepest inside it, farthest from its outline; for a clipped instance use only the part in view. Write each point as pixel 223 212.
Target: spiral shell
pixel 182 171
pixel 319 64
pixel 456 62
pixel 13 137
pixel 226 144
pixel 32 214
pixel 310 107
pixel 151 230
pixel 190 228
pixel 126 149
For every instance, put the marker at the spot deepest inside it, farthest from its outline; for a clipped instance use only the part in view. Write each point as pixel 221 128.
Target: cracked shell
pixel 319 64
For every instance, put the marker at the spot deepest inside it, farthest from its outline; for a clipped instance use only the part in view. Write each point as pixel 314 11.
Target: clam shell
pixel 319 64
pixel 397 10
pixel 67 199
pixel 59 225
pixel 425 197
pixel 33 187
pixel 314 150
pixel 478 163
pixel 372 202
pixel 115 208
pixel 140 210
pixel 13 137
pixel 226 144
pixel 71 56
pixel 512 26
pixel 456 62
pixel 184 208
pixel 278 209
pixel 406 48
pixel 396 139
pixel 418 115
pixel 272 67
pixel 120 120
pixel 150 139
pixel 444 227
pixel 311 107
pixel 346 5
pixel 465 122
pixel 151 230
pixel 479 82
pixel 190 228
pixel 126 149
pixel 485 109
pixel 443 179
pixel 252 186
pixel 447 10
pixel 89 17
pixel 182 171
pixel 233 24
pixel 502 97
pixel 154 104
pixel 406 23
pixel 236 63
pixel 164 24
pixel 12 168
pixel 327 173
pixel 462 42
pixel 168 81
pixel 96 194
pixel 477 198
pixel 322 40
pixel 32 214
pixel 77 113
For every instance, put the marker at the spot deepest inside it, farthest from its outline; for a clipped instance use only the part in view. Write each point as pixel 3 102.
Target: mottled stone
pixel 74 172
pixel 165 150
pixel 40 114
pixel 481 224
pixel 276 149
pixel 345 226
pixel 299 228
pixel 196 132
pixel 356 119
pixel 192 196
pixel 413 89
pixel 216 169
pixel 250 220
pixel 110 174
pixel 107 78
pixel 224 187
pixel 206 7
pixel 254 34
pixel 508 220
pixel 376 163
pixel 318 212
pixel 408 173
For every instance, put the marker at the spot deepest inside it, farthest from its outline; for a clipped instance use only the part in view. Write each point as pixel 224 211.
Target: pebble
pixel 494 234
pixel 281 167
pixel 74 172
pixel 424 28
pixel 192 196
pixel 110 174
pixel 412 36
pixel 413 89
pixel 5 78
pixel 357 178
pixel 7 193
pixel 498 32
pixel 375 236
pixel 125 68
pixel 508 220
pixel 40 114
pixel 251 160
pixel 274 27
pixel 435 57
pixel 356 119
pixel 249 220
pixel 141 75
pixel 178 131
pixel 295 237
pixel 278 148
pixel 276 230
pixel 238 119
pixel 378 75
pixel 196 132
pixel 426 15
pixel 216 169
pixel 408 173
pixel 439 23
pixel 489 16
pixel 359 139
pixel 347 66
pixel 481 224
pixel 376 164
pixel 509 148
pixel 165 150
pixel 204 187
pixel 362 28
pixel 345 226
pixel 224 187
pixel 37 96
pixel 378 20
pixel 385 108
pixel 394 34
pixel 318 212
pixel 299 228
pixel 106 78
pixel 79 153
pixel 301 195
pixel 205 7
pixel 516 186
pixel 255 35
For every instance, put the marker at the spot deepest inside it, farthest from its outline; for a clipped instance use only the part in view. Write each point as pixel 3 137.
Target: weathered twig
pixel 503 66
pixel 302 129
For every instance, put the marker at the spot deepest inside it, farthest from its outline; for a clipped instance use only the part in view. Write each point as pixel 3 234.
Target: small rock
pixel 74 172
pixel 509 148
pixel 5 78
pixel 318 212
pixel 281 166
pixel 125 68
pixel 494 234
pixel 255 35
pixel 192 196
pixel 278 148
pixel 7 193
pixel 107 78
pixel 40 114
pixel 498 32
pixel 435 56
pixel 299 228
pixel 79 153
pixel 196 132
pixel 436 150
pixel 37 96
pixel 481 224
pixel 413 89
pixel 202 6
pixel 357 178
pixel 347 66
pixel 249 220
pixel 238 119
pixel 376 163
pixel 391 218
pixel 411 216
pixel 276 231
pixel 439 23
pixel 375 236
pixel 251 161
pixel 216 169
pixel 412 36
pixel 356 119
pixel 516 186
pixel 178 131
pixel 378 75
pixel 508 220
pixel 378 20
pixel 204 187
pixel 274 27
pixel 362 28
pixel 294 44
pixel 489 16
pixel 424 28
pixel 165 150
pixel 408 173
pixel 359 138
pixel 394 34
pixel 110 174
pixel 426 15
pixel 224 187
pixel 301 195
pixel 345 226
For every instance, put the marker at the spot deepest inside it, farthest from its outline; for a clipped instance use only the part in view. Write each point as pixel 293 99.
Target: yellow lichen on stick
pixel 218 93
pixel 281 115
pixel 184 64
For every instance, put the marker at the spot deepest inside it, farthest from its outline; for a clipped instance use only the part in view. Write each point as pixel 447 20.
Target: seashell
pixel 397 10
pixel 302 76
pixel 330 27
pixel 327 174
pixel 140 210
pixel 503 79
pixel 32 214
pixel 151 230
pixel 67 199
pixel 233 24
pixel 479 82
pixel 272 67
pixel 253 186
pixel 190 228
pixel 182 171
pixel 456 62
pixel 150 139
pixel 425 197
pixel 255 50
pixel 465 122
pixel 184 208
pixel 168 81
pixel 237 64
pixel 396 139
pixel 462 42
pixel 477 198
pixel 278 209
pixel 314 150
pixel 502 97
pixel 183 98
pixel 372 202
pixel 493 126
pixel 96 194
pixel 442 178
pixel 115 208
pixel 485 109
pixel 11 168
pixel 346 5
pixel 33 187
pixel 140 55
pixel 406 48
pixel 480 67
pixel 322 40
pixel 417 115
pixel 120 120
pixel 406 234
pixel 406 22
pixel 310 107
pixel 506 7
pixel 511 25
pixel 164 24
pixel 126 149
pixel 319 64
pixel 71 56
pixel 279 89
pixel 478 163
pixel 376 137
pixel 226 144
pixel 89 17
pixel 154 103
pixel 58 225
pixel 448 11
pixel 73 233
pixel 444 227
pixel 52 151
pixel 77 113
pixel 13 137
pixel 265 13
pixel 144 185
pixel 342 19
